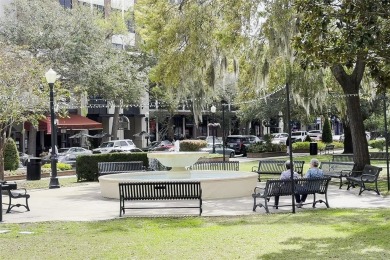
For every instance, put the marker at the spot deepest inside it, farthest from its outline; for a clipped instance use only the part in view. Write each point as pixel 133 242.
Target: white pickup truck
pixel 298 136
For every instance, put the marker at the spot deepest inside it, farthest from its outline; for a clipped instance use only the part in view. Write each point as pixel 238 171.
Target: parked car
pixel 163 146
pixel 219 150
pixel 115 146
pixel 217 140
pixel 315 134
pixel 298 136
pixel 23 158
pixel 133 150
pixel 71 153
pixel 151 146
pixel 240 143
pixel 279 138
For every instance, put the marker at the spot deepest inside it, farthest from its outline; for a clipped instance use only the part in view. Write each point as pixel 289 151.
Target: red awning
pixel 72 122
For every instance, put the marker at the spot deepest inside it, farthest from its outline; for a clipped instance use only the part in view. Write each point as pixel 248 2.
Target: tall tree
pixel 21 96
pixel 194 43
pixel 344 36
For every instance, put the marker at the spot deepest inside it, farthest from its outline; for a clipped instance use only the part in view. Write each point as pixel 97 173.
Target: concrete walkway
pixel 84 203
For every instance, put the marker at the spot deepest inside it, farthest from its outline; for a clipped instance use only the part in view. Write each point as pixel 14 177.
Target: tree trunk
pixel 107 8
pixel 350 85
pixel 115 123
pixel 2 142
pixel 32 141
pixel 348 148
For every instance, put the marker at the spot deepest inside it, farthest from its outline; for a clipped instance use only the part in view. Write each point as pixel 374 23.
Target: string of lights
pixel 188 103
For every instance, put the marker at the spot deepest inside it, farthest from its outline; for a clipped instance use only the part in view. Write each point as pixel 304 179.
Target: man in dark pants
pixel 286 175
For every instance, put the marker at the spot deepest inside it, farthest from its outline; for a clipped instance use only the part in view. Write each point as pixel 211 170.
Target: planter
pixel 301 150
pixel 43 175
pixel 265 154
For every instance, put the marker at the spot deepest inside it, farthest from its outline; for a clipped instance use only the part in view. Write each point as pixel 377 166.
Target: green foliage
pixel 327 132
pixel 378 144
pixel 307 139
pixel 192 145
pixel 60 166
pixel 11 155
pixel 265 147
pixel 87 165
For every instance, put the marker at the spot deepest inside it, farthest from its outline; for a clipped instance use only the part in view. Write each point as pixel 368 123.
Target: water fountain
pixel 215 184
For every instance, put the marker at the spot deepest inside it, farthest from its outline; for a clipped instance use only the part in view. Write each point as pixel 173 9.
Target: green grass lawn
pixel 313 234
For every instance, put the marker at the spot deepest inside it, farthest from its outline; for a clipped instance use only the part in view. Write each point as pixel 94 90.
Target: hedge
pixel 87 165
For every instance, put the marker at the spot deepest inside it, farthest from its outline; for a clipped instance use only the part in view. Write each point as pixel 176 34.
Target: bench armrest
pixel 355 173
pixel 368 177
pixel 258 190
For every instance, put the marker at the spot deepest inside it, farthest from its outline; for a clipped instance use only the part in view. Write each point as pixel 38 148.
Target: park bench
pixel 11 189
pixel 338 170
pixel 141 191
pixel 283 188
pixel 380 156
pixel 276 167
pixel 105 168
pixel 216 166
pixel 328 148
pixel 342 158
pixel 369 175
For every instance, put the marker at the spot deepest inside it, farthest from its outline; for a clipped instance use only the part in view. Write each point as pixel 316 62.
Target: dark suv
pixel 240 143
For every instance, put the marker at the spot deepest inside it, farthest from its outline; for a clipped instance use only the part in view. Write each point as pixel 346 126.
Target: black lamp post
pixel 223 102
pixel 51 77
pixel 213 109
pixel 147 128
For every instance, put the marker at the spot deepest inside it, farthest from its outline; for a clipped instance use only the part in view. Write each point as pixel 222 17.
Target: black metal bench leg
pixel 341 182
pixel 9 203
pixel 27 207
pixel 254 204
pixel 362 188
pixel 266 205
pixel 376 188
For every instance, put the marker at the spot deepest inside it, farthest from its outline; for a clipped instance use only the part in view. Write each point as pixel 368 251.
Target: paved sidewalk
pixel 85 203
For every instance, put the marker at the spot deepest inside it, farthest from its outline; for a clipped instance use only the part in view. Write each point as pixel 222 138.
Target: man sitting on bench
pixel 286 175
pixel 313 172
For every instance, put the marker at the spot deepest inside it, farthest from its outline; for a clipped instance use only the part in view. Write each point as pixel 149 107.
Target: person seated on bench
pixel 286 175
pixel 313 172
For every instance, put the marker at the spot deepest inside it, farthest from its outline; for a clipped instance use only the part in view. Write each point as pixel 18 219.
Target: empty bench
pixel 369 175
pixel 337 170
pixel 105 168
pixel 216 166
pixel 146 191
pixel 11 189
pixel 283 188
pixel 328 148
pixel 276 167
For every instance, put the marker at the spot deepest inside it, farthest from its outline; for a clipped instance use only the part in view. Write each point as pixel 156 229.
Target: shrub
pixel 265 147
pixel 308 139
pixel 11 155
pixel 327 132
pixel 192 145
pixel 378 144
pixel 60 166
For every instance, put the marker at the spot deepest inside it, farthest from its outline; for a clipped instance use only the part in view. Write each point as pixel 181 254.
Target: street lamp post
pixel 147 128
pixel 223 102
pixel 213 109
pixel 51 77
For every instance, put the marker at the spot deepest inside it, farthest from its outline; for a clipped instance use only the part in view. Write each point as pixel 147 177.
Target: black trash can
pixel 313 148
pixel 33 169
